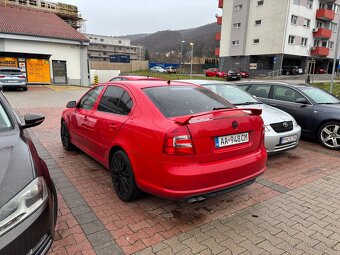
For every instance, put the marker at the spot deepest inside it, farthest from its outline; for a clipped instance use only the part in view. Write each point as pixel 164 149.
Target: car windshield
pixel 5 123
pixel 320 96
pixel 175 101
pixel 232 94
pixel 10 71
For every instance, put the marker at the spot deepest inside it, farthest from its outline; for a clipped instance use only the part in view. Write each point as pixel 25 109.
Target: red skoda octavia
pixel 176 141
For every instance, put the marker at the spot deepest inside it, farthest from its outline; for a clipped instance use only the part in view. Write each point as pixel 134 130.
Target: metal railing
pixel 274 74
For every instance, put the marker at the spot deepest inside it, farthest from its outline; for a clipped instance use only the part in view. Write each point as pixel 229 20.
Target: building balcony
pixel 220 4
pixel 320 52
pixel 219 20
pixel 323 33
pixel 217 51
pixel 218 36
pixel 325 14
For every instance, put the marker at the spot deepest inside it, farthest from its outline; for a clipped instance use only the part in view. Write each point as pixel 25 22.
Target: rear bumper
pixel 13 85
pixel 179 181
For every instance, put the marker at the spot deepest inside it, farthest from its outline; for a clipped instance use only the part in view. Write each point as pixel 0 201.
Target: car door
pixel 285 98
pixel 80 121
pixel 112 112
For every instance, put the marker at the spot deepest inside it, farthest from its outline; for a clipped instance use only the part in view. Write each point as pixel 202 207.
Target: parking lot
pixel 294 208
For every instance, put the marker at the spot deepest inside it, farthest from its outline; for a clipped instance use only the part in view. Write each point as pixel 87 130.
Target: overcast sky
pixel 123 17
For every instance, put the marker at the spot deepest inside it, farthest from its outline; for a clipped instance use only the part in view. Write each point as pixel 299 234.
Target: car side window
pixel 286 94
pixel 243 87
pixel 115 100
pixel 90 98
pixel 259 90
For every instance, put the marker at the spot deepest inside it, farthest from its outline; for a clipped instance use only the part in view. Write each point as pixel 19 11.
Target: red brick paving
pixel 135 226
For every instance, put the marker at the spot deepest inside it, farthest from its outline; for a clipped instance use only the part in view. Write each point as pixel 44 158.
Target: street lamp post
pixel 192 57
pixel 181 64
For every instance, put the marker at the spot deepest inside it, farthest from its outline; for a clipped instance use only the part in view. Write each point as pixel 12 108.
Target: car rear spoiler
pixel 185 119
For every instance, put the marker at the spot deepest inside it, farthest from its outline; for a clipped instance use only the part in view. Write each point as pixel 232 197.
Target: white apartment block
pixel 102 47
pixel 264 35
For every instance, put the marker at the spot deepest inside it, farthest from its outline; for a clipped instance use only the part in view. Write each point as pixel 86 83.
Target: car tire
pixel 329 135
pixel 287 72
pixel 24 88
pixel 123 179
pixel 65 137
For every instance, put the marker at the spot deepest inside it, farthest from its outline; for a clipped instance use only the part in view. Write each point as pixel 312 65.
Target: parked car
pixel 157 69
pixel 243 73
pixel 12 78
pixel 315 110
pixel 134 78
pixel 281 130
pixel 171 69
pixel 215 72
pixel 233 74
pixel 28 200
pixel 287 70
pixel 319 70
pixel 178 142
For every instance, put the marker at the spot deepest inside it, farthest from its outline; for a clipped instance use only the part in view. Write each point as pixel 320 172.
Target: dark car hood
pixel 16 169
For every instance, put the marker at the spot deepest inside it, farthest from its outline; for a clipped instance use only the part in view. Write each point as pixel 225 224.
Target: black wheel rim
pixel 64 135
pixel 120 175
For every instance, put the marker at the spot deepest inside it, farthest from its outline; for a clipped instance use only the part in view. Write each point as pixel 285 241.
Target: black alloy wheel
pixel 65 137
pixel 123 179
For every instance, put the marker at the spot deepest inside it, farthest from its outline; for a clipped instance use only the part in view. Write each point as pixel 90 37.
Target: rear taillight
pixel 21 77
pixel 178 142
pixel 2 76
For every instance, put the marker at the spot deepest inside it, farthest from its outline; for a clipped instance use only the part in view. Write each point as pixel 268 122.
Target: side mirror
pixel 32 120
pixel 71 104
pixel 254 96
pixel 301 100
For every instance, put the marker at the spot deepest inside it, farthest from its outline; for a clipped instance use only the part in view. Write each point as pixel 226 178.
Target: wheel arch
pixel 323 123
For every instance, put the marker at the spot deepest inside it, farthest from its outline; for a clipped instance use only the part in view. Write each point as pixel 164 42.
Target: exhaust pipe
pixel 194 200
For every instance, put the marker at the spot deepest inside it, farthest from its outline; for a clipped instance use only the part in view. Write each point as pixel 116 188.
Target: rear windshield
pixel 10 71
pixel 175 101
pixel 5 123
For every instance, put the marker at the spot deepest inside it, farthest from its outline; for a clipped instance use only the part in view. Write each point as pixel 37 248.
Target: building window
pixel 293 20
pixel 260 3
pixel 310 4
pixel 256 41
pixel 324 43
pixel 320 24
pixel 333 27
pixel 119 42
pixel 306 23
pixel 296 2
pixel 304 41
pixel 331 45
pixel 237 25
pixel 258 22
pixel 101 39
pixel 291 39
pixel 238 7
pixel 235 43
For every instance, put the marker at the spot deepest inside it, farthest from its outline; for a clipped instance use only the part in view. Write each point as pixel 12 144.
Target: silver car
pixel 157 69
pixel 12 77
pixel 281 130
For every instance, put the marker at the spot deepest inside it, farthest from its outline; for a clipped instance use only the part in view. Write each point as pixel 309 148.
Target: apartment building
pixel 108 48
pixel 69 13
pixel 264 35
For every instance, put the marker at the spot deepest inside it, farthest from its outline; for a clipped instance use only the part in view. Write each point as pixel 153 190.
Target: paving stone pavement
pixel 293 208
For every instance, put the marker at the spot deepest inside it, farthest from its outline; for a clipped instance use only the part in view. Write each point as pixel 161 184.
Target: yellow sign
pixel 8 62
pixel 38 70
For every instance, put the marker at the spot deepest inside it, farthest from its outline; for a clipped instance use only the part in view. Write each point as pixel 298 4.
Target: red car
pixel 243 73
pixel 319 70
pixel 135 78
pixel 215 72
pixel 176 141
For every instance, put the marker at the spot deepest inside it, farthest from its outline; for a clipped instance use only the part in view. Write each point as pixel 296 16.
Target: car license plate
pixel 300 70
pixel 228 140
pixel 12 81
pixel 288 139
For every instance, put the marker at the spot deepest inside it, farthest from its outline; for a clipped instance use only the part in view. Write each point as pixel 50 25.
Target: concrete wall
pixel 123 67
pixel 74 55
pixel 103 75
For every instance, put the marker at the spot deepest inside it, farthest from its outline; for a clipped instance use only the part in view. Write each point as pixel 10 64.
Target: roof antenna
pixel 168 82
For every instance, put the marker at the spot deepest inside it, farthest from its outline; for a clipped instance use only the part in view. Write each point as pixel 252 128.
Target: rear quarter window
pixel 175 101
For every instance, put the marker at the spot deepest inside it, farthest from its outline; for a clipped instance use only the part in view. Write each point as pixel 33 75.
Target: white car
pixel 157 69
pixel 281 130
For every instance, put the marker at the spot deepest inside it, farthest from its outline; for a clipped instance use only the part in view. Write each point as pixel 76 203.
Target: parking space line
pixel 321 150
pixel 272 185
